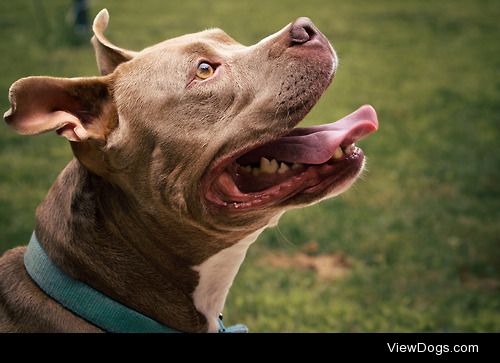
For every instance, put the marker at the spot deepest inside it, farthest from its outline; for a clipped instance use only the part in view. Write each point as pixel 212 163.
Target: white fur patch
pixel 216 277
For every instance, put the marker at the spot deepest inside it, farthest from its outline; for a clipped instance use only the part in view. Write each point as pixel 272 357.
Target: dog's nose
pixel 302 30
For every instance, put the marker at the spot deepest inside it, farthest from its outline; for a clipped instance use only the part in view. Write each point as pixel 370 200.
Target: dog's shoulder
pixel 26 308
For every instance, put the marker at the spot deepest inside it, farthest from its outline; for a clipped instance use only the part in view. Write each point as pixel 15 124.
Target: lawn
pixel 420 232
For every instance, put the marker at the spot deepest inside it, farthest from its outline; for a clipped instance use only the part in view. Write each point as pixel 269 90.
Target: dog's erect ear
pixel 108 55
pixel 77 108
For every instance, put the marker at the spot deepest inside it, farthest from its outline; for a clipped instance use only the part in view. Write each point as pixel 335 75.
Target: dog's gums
pixel 305 160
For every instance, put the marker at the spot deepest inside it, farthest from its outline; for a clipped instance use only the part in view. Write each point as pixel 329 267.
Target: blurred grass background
pixel 421 230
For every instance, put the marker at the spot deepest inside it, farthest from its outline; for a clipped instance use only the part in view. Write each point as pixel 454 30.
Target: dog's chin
pixel 298 168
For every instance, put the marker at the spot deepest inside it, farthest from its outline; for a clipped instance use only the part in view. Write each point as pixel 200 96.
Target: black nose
pixel 302 30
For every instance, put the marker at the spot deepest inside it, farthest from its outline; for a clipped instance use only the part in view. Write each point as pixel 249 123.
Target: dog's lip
pixel 219 186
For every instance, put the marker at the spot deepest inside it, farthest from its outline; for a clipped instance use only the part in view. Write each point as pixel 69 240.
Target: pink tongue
pixel 315 145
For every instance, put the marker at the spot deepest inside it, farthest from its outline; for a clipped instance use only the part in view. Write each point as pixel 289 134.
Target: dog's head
pixel 201 127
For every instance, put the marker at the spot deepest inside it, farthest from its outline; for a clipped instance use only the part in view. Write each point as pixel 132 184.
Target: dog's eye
pixel 204 71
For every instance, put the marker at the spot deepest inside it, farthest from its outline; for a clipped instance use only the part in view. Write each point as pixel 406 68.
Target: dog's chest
pixel 216 274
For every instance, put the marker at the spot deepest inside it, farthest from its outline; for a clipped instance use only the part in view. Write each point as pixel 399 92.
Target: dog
pixel 184 153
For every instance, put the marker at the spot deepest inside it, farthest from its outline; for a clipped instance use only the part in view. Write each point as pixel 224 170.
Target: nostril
pixel 310 31
pixel 302 30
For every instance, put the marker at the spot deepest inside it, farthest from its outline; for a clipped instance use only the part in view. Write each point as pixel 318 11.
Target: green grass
pixel 422 227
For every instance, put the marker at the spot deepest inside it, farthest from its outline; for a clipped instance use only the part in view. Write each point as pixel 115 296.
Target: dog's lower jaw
pixel 339 189
pixel 216 275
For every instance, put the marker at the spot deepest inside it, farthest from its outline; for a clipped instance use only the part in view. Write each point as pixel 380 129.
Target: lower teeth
pixel 273 166
pixel 350 149
pixel 338 153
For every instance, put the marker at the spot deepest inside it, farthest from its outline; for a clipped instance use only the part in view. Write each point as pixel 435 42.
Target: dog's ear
pixel 77 108
pixel 108 55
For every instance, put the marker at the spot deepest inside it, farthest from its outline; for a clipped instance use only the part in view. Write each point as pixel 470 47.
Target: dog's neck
pixel 98 235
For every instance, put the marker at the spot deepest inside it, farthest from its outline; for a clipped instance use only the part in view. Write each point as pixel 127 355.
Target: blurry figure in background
pixel 79 17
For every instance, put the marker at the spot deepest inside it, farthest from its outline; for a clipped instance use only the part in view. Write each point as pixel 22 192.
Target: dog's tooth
pixel 283 168
pixel 273 166
pixel 267 166
pixel 246 169
pixel 296 166
pixel 349 149
pixel 264 163
pixel 256 171
pixel 338 153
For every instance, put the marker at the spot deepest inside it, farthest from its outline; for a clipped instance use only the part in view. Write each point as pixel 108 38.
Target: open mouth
pixel 310 160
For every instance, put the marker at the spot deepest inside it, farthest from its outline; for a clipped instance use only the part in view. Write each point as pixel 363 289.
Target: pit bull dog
pixel 184 153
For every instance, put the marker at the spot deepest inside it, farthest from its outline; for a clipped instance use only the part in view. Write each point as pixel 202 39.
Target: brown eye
pixel 204 71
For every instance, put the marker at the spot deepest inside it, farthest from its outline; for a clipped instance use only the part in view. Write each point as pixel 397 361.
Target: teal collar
pixel 90 304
